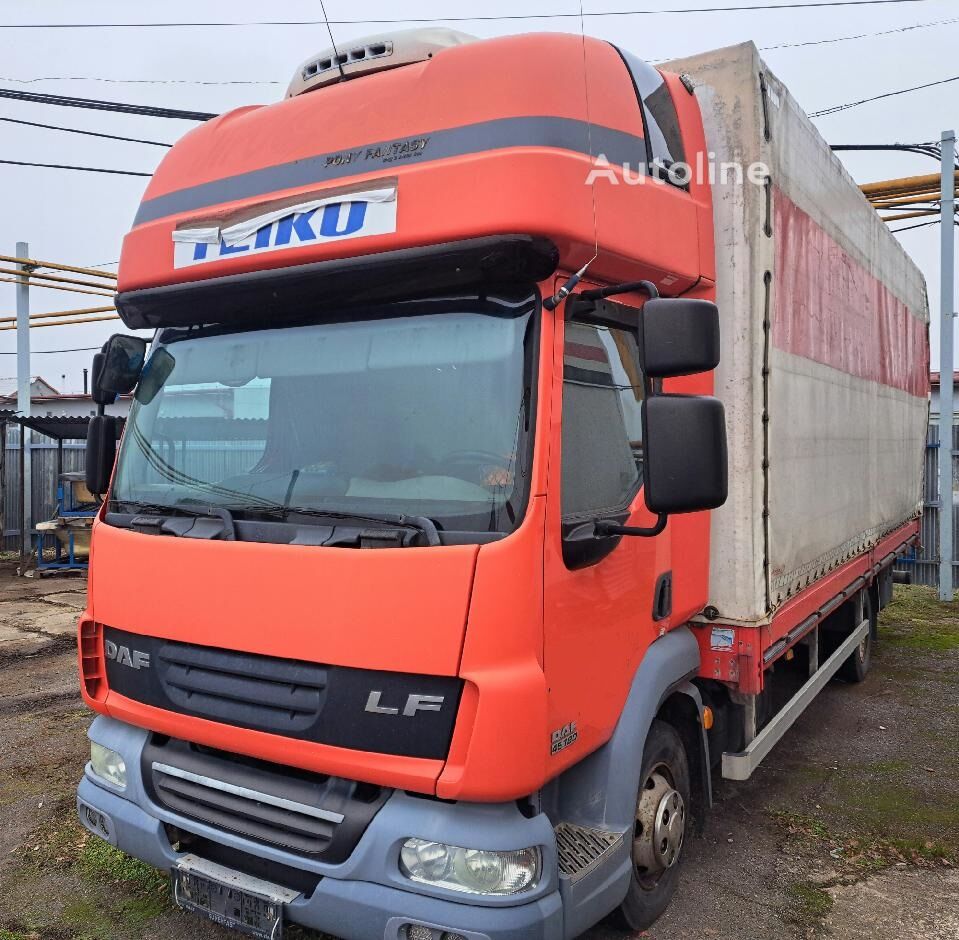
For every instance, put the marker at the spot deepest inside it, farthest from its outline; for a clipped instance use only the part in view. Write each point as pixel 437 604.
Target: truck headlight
pixel 108 765
pixel 476 871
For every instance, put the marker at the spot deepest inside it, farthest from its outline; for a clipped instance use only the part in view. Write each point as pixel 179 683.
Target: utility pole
pixel 23 400
pixel 946 364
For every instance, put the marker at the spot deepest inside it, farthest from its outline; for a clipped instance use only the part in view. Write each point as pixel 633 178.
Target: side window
pixel 663 138
pixel 602 426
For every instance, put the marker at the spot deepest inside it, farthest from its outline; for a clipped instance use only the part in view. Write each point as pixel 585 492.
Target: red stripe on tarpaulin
pixel 830 309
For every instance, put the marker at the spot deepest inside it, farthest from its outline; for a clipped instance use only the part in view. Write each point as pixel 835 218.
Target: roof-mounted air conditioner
pixel 372 54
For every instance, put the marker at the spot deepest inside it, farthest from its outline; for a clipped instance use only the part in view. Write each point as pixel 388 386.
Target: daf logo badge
pixel 414 703
pixel 125 656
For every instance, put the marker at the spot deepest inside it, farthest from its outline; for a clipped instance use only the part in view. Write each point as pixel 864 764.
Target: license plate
pixel 230 898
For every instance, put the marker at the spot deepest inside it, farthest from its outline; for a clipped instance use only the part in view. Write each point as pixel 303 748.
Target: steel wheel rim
pixel 660 827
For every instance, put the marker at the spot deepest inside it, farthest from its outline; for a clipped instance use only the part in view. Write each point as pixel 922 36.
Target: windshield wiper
pixel 211 521
pixel 420 523
pixel 154 509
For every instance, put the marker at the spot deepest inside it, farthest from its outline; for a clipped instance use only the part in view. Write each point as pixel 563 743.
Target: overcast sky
pixel 80 218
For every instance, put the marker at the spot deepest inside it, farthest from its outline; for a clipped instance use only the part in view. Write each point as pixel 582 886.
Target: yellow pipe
pixel 908 215
pixel 903 201
pixel 37 326
pixel 61 313
pixel 58 267
pixel 921 204
pixel 74 290
pixel 917 195
pixel 906 182
pixel 32 275
pixel 934 193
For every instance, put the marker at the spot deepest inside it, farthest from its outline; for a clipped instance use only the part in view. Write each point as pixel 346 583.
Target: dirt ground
pixel 850 829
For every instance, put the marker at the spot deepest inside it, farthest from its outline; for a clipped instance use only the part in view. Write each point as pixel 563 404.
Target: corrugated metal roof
pixel 59 427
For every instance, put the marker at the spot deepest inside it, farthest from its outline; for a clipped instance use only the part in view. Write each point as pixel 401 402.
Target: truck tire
pixel 857 666
pixel 662 815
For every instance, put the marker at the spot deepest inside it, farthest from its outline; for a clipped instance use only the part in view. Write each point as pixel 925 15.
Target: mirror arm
pixel 628 287
pixel 605 527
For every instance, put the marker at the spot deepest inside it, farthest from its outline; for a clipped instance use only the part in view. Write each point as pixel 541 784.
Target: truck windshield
pixel 420 409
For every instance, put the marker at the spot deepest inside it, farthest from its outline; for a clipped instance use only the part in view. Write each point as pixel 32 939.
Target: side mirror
pixel 102 433
pixel 678 337
pixel 117 367
pixel 684 436
pixel 99 394
pixel 684 453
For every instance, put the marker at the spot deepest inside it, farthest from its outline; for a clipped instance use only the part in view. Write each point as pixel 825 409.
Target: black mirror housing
pixel 97 393
pixel 119 369
pixel 101 452
pixel 685 453
pixel 678 337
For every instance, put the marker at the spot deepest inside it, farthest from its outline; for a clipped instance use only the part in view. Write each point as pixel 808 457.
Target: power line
pixel 470 19
pixel 926 150
pixel 142 81
pixel 336 52
pixel 68 101
pixel 835 109
pixel 74 130
pixel 220 82
pixel 908 228
pixel 929 150
pixel 49 352
pixel 822 42
pixel 85 169
pixel 198 81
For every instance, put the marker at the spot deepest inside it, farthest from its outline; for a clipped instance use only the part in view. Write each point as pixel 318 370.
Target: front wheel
pixel 659 833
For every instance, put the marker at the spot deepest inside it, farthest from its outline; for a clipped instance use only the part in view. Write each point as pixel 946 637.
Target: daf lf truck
pixel 526 436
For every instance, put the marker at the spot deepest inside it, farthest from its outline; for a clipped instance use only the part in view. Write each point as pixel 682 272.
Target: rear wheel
pixel 662 817
pixel 857 666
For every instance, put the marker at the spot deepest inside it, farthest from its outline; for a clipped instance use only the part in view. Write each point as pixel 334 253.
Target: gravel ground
pixel 850 829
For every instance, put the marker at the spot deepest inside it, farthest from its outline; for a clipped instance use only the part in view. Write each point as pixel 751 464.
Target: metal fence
pixel 924 562
pixel 43 463
pixel 205 460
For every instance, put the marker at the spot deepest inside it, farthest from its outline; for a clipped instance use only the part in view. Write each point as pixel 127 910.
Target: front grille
pixel 309 814
pixel 269 694
pixel 293 825
pixel 291 698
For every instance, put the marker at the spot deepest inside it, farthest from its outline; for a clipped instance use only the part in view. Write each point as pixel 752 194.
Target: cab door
pixel 599 615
